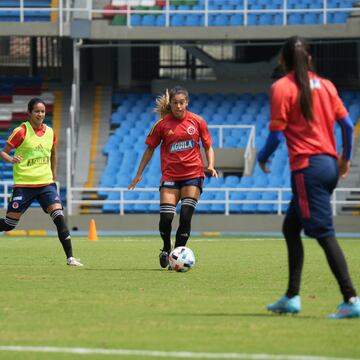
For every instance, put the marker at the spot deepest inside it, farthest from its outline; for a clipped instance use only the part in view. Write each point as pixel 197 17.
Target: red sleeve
pixel 204 134
pixel 17 137
pixel 279 107
pixel 154 137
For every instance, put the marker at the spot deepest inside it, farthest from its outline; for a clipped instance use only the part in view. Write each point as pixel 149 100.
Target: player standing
pixel 178 131
pixel 34 170
pixel 304 107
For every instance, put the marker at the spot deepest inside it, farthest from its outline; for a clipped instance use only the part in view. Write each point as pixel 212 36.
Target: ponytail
pixel 295 55
pixel 163 104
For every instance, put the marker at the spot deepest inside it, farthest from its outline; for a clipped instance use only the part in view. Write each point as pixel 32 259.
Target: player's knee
pixel 8 224
pixel 290 228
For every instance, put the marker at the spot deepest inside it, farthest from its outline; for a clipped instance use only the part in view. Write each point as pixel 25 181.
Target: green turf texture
pixel 121 299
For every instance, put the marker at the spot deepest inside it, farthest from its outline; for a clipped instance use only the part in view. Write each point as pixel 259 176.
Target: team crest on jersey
pixel 182 145
pixel 15 205
pixel 191 130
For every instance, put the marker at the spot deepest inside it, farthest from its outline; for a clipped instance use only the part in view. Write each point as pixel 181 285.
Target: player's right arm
pixel 14 140
pixel 148 153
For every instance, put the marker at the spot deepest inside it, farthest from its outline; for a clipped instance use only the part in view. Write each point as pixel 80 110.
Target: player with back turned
pixel 304 108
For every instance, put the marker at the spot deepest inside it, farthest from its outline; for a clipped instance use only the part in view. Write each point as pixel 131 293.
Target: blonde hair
pixel 163 102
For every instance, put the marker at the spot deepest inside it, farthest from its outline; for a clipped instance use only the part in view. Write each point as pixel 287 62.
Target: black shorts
pixel 22 197
pixel 181 183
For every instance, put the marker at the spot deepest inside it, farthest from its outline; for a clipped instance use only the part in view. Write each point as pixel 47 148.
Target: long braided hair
pixel 296 56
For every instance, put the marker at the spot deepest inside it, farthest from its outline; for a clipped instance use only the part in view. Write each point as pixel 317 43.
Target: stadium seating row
pixel 29 15
pixel 156 17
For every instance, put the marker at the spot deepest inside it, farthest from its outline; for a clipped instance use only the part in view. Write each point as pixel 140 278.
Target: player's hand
pixel 344 167
pixel 16 159
pixel 134 182
pixel 264 168
pixel 212 171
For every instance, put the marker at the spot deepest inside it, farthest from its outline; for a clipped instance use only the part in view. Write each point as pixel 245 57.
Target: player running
pixel 179 132
pixel 304 107
pixel 34 174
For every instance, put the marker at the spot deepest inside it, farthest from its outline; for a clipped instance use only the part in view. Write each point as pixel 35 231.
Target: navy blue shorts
pixel 312 188
pixel 22 197
pixel 179 184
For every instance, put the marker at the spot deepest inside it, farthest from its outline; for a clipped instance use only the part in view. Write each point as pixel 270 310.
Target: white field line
pixel 166 354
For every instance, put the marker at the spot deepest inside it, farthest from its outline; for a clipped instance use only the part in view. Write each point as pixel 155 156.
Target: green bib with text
pixel 35 167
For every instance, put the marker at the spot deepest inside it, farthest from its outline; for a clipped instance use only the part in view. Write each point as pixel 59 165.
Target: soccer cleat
pixel 164 258
pixel 286 305
pixel 347 310
pixel 71 261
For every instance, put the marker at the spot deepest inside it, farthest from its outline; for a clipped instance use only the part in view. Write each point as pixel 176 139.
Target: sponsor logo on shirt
pixel 42 160
pixel 17 198
pixel 170 132
pixel 191 130
pixel 182 145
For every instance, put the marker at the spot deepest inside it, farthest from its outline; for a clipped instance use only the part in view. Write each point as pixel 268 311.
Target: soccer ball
pixel 181 259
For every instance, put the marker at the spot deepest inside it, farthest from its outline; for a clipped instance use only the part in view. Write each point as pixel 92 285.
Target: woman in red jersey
pixel 178 131
pixel 304 107
pixel 34 170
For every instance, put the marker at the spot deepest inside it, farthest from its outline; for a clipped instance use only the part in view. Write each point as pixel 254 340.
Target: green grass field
pixel 121 299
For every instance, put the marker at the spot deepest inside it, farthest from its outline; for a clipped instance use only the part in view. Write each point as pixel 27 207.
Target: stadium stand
pixel 29 14
pixel 133 118
pixel 229 12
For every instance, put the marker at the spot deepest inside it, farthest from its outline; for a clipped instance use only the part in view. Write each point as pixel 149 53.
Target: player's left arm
pixel 53 160
pixel 347 132
pixel 210 157
pixel 206 141
pixel 271 144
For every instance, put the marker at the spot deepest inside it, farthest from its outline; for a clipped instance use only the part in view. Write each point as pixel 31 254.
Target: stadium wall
pixel 35 219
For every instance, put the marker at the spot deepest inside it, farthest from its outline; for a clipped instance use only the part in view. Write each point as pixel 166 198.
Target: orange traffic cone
pixel 92 231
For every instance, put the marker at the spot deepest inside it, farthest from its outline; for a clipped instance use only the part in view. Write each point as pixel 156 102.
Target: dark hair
pixel 33 102
pixel 163 102
pixel 295 56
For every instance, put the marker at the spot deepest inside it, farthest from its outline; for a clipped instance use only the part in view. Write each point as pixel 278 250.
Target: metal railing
pixel 226 201
pixel 65 12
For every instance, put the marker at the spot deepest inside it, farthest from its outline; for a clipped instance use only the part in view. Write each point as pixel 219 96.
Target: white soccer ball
pixel 181 259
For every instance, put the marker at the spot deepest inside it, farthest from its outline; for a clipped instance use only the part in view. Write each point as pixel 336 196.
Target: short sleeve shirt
pixel 305 138
pixel 180 153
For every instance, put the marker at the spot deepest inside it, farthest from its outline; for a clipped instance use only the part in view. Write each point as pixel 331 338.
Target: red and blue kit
pixel 306 138
pixel 180 149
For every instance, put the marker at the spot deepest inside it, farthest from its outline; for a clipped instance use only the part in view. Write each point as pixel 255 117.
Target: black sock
pixel 167 212
pixel 63 232
pixel 188 206
pixel 338 266
pixel 291 230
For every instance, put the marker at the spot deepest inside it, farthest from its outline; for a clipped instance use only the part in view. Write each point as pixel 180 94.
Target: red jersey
pixel 305 138
pixel 18 135
pixel 180 154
